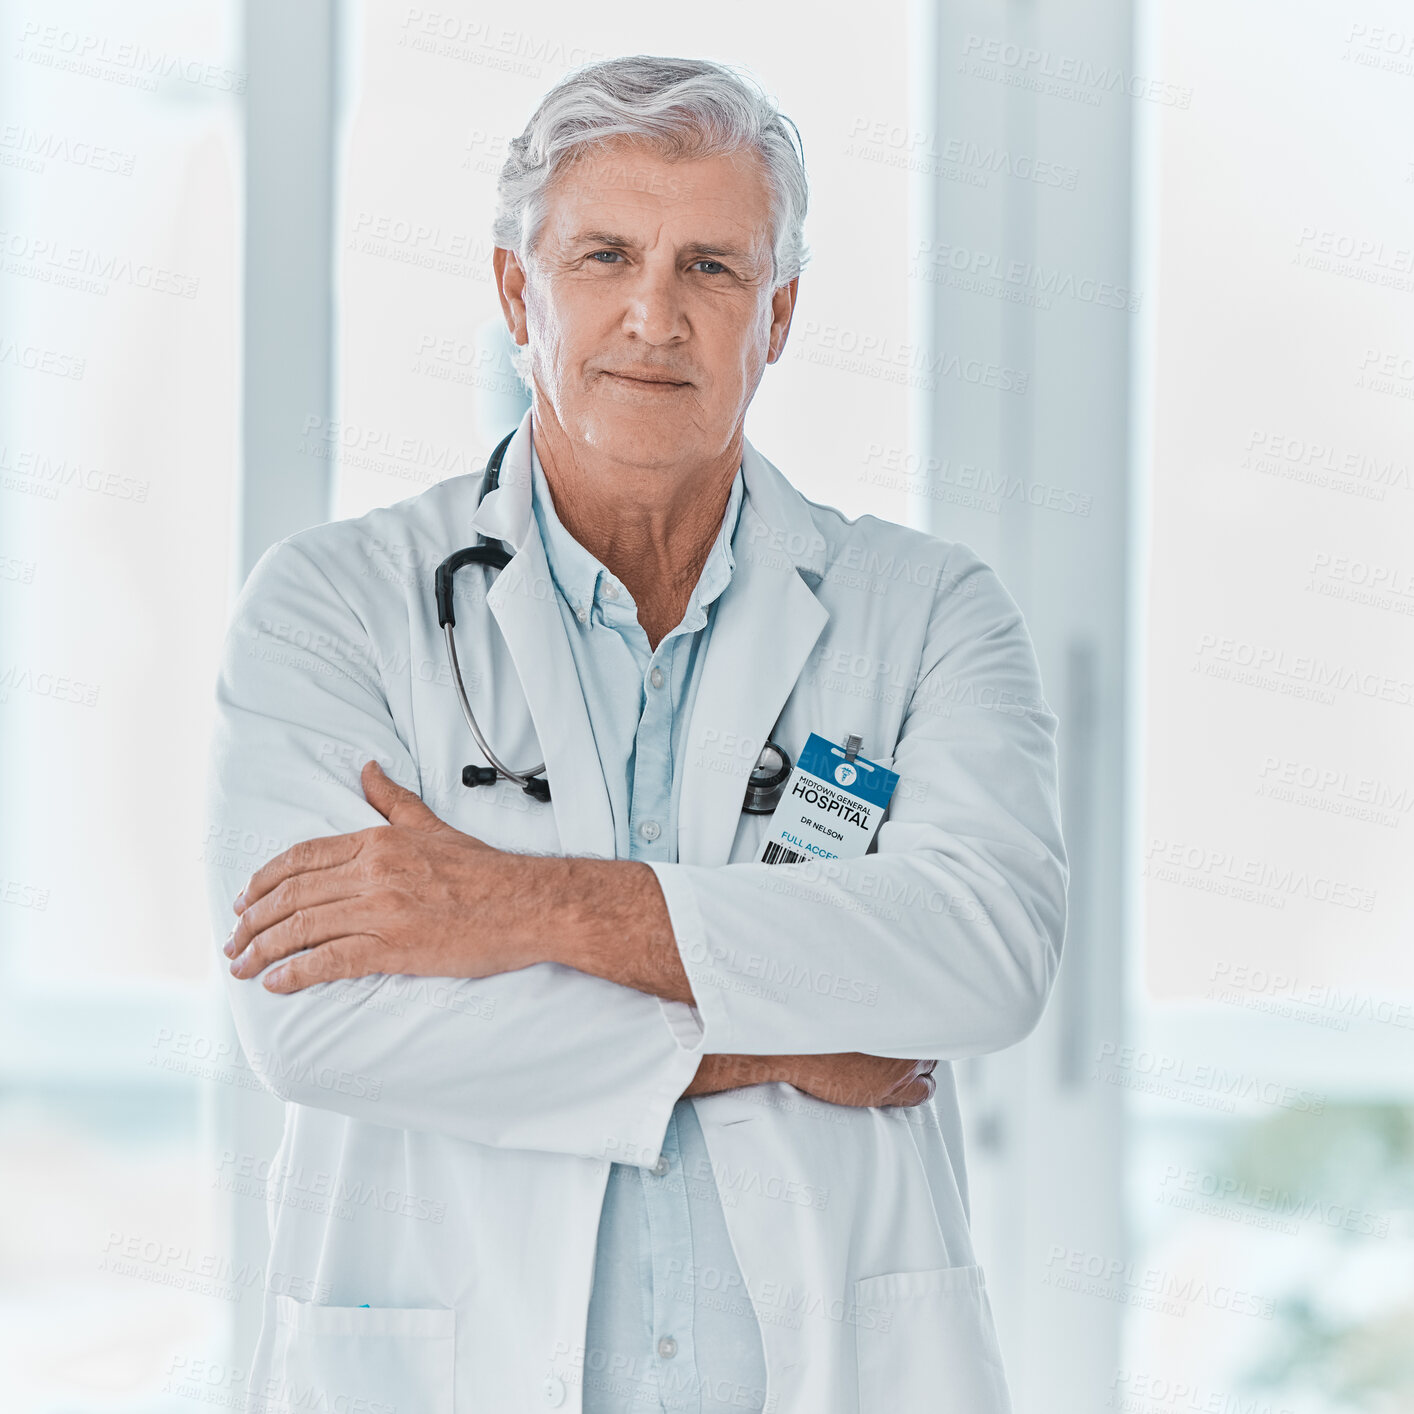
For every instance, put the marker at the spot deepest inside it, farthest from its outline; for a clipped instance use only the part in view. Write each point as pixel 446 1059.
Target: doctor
pixel 607 1115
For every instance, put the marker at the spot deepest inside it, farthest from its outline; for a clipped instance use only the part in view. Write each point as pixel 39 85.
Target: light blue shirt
pixel 670 1324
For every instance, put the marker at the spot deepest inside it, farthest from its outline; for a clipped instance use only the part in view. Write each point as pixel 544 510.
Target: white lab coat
pixel 436 1194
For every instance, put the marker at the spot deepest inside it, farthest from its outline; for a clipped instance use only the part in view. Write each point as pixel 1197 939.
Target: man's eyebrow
pixel 729 252
pixel 600 238
pixel 612 238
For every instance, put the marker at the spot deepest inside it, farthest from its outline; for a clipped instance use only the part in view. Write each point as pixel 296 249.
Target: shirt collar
pixel 778 518
pixel 581 577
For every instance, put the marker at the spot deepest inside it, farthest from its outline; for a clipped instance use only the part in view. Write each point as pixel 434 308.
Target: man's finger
pixel 395 803
pixel 323 853
pixel 914 1093
pixel 304 928
pixel 354 956
pixel 306 890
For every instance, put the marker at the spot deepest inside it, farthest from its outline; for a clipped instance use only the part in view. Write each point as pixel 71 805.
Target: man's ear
pixel 782 311
pixel 510 287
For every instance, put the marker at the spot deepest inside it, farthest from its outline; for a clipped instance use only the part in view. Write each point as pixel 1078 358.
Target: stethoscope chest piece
pixel 768 779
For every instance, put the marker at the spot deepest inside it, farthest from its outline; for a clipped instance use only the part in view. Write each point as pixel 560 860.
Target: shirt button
pixel 554 1390
pixel 667 1347
pixel 582 614
pixel 661 1167
pixel 650 829
pixel 656 677
pixel 611 590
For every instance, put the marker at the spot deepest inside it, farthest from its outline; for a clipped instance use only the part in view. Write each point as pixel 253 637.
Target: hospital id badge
pixel 830 808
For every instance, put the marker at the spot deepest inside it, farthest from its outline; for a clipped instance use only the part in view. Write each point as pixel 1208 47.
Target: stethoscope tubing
pixel 760 799
pixel 521 778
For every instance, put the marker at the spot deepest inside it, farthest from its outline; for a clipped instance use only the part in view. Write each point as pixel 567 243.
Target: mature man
pixel 650 1124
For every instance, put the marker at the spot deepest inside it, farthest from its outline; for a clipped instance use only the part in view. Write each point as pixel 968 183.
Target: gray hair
pixel 686 108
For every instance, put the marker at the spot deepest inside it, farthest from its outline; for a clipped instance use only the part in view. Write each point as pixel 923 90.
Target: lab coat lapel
pixel 523 601
pixel 766 623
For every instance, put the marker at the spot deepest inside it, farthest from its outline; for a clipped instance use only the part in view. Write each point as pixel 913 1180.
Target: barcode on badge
pixel 779 854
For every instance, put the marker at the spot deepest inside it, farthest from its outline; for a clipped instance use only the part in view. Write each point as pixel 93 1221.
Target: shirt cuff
pixel 707 1023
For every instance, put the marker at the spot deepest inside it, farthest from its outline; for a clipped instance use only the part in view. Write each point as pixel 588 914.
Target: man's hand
pixel 415 896
pixel 850 1078
pixel 419 897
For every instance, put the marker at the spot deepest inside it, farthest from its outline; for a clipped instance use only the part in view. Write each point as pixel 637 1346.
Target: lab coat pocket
pixel 361 1357
pixel 927 1345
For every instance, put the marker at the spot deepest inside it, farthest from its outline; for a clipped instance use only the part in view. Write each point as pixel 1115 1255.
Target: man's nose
pixel 656 312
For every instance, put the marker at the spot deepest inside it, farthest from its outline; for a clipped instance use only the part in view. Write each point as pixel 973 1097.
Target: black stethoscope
pixel 768 776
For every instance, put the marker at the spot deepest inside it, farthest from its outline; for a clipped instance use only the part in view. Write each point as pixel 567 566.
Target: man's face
pixel 648 301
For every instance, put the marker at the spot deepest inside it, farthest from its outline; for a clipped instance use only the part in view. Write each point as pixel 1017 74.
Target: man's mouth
pixel 648 380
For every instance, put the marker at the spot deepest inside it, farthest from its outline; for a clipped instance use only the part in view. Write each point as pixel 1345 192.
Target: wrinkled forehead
pixel 631 190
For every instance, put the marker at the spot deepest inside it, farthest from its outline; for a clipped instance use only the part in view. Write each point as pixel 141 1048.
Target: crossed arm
pixel 566 1021
pixel 397 899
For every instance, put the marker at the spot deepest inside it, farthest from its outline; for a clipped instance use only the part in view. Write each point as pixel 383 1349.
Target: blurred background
pixel 1121 295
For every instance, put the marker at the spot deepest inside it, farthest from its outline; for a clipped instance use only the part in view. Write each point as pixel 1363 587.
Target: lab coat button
pixel 667 1347
pixel 554 1388
pixel 649 829
pixel 661 1167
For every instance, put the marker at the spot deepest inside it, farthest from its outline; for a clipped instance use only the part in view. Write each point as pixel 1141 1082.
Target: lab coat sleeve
pixel 544 1058
pixel 944 941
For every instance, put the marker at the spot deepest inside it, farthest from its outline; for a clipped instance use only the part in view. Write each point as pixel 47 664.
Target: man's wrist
pixel 603 917
pixel 579 909
pixel 529 899
pixel 538 886
pixel 719 1072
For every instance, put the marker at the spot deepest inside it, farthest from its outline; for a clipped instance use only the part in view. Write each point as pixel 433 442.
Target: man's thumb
pixel 393 802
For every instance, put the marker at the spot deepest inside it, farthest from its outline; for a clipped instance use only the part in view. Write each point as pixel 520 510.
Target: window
pixel 119 338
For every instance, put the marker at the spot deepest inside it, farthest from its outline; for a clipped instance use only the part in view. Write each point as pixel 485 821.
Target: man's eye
pixel 612 254
pixel 705 261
